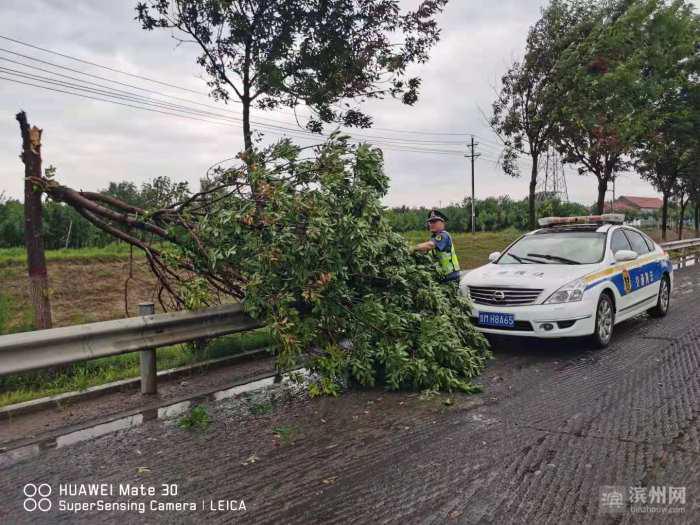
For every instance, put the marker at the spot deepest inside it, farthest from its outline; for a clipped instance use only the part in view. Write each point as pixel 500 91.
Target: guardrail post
pixel 148 358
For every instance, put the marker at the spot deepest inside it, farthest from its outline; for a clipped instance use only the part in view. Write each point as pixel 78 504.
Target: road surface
pixel 556 425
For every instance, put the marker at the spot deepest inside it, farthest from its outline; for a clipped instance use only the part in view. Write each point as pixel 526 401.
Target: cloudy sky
pixel 93 142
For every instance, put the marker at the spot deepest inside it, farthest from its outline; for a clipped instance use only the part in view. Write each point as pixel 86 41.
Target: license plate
pixel 497 320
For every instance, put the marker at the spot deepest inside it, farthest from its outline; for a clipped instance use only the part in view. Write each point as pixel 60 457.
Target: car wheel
pixel 604 322
pixel 664 299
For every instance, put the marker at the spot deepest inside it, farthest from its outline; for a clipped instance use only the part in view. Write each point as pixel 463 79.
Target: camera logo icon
pixel 37 497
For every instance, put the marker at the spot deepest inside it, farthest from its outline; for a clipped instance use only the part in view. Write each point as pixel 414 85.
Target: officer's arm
pixel 424 246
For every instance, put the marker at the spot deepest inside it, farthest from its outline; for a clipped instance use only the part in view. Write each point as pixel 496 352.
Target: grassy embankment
pixel 111 252
pixel 88 286
pixel 472 250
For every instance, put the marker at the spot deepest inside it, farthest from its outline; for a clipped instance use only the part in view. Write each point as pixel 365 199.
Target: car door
pixel 622 279
pixel 645 277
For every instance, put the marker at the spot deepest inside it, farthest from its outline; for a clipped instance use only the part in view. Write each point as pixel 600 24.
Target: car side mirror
pixel 494 256
pixel 625 255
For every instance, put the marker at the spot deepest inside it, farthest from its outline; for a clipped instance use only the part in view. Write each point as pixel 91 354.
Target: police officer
pixel 441 246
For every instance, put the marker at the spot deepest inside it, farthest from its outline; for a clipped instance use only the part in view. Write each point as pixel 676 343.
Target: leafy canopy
pixel 341 291
pixel 321 53
pixel 522 114
pixel 614 79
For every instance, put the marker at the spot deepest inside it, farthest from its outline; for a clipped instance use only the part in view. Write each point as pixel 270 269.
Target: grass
pixel 17 388
pixel 472 250
pixel 14 318
pixel 285 434
pixel 197 419
pixel 111 252
pixel 262 408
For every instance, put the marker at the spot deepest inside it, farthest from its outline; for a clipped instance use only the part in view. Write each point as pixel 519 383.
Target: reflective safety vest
pixel 448 260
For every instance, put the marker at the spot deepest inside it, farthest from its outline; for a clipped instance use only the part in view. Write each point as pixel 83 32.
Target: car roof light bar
pixel 608 218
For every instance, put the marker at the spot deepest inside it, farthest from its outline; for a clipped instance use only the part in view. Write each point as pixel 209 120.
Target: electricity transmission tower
pixel 552 183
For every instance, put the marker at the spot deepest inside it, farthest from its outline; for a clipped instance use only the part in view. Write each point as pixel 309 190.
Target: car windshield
pixel 557 248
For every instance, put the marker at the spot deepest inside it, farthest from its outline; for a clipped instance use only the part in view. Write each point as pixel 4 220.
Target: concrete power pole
pixel 472 155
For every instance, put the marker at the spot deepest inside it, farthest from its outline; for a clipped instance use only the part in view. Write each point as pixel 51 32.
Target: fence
pixel 59 346
pixel 683 252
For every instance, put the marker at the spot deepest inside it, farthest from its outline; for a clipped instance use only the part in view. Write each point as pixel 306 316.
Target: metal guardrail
pixel 684 251
pixel 59 346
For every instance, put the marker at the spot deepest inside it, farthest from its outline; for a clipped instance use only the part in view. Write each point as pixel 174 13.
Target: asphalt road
pixel 556 425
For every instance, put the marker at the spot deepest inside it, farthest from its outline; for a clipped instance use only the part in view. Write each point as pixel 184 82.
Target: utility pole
pixel 472 156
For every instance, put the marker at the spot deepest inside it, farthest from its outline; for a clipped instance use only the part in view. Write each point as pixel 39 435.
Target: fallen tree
pixel 299 235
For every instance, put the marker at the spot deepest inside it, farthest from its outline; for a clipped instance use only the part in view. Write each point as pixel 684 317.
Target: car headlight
pixel 569 293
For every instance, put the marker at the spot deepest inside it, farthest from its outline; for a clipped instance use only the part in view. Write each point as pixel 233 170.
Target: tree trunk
pixel 531 196
pixel 664 215
pixel 684 204
pixel 602 191
pixel 245 99
pixel 36 261
pixel 697 218
pixel 247 139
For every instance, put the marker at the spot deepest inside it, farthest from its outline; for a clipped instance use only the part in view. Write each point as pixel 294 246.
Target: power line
pixel 108 68
pixel 175 86
pixel 175 114
pixel 134 97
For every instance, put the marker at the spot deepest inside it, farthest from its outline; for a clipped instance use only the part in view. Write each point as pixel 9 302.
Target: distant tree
pixel 522 111
pixel 11 223
pixel 161 192
pixel 125 191
pixel 286 53
pixel 666 153
pixel 662 166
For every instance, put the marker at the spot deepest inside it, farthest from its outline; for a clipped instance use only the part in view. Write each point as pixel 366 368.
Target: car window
pixel 637 242
pixel 572 247
pixel 619 242
pixel 650 243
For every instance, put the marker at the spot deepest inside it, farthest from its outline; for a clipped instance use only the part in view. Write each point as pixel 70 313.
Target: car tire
pixel 663 301
pixel 604 321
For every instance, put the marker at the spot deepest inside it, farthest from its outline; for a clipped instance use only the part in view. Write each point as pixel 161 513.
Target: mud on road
pixel 555 425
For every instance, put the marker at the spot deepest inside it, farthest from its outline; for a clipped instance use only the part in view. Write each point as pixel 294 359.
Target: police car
pixel 576 276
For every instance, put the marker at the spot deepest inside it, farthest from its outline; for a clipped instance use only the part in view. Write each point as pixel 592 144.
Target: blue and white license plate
pixel 496 320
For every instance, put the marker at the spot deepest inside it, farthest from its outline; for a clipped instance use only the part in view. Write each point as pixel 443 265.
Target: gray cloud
pixel 92 143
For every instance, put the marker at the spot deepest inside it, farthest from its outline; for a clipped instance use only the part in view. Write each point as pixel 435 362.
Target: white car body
pixel 634 286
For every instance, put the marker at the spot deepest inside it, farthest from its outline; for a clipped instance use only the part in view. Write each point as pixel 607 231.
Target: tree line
pixel 611 85
pixel 499 213
pixel 491 214
pixel 63 227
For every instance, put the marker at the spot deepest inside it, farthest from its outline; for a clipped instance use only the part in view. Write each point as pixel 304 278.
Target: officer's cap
pixel 436 215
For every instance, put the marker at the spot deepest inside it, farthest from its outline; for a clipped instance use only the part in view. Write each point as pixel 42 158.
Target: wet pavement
pixel 560 430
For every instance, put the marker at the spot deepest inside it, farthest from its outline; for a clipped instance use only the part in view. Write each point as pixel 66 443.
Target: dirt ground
pixel 82 291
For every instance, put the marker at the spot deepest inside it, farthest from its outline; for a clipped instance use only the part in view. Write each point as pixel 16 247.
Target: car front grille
pixel 501 296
